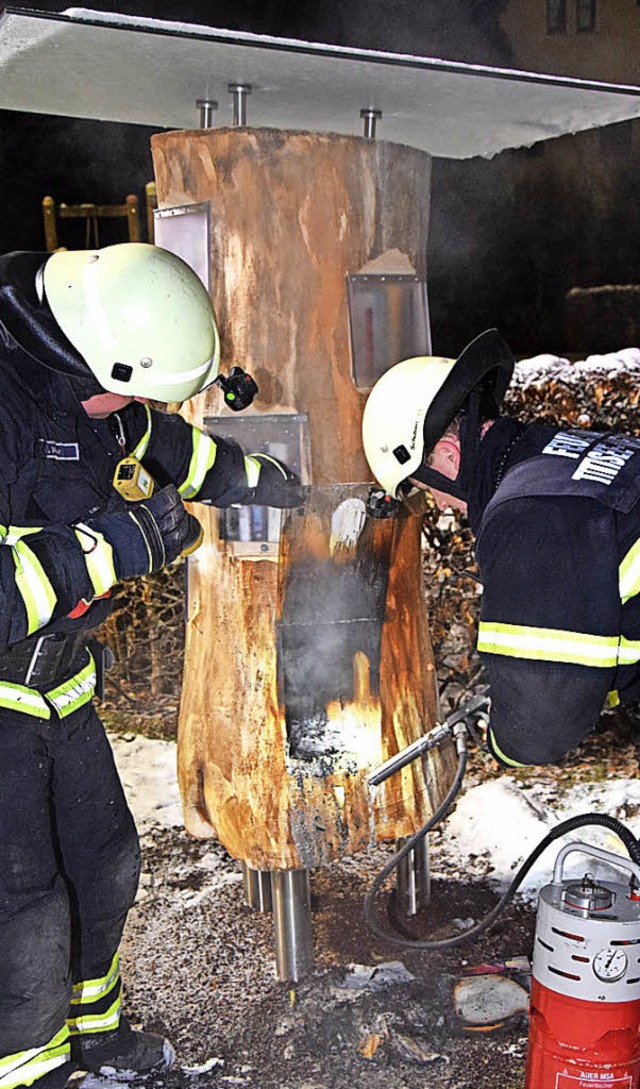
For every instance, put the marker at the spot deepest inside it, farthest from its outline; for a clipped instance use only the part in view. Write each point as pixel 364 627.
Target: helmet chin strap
pixel 470 429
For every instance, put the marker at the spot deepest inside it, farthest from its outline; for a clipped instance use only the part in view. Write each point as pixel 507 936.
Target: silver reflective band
pixel 91 989
pixel 75 692
pixel 97 1022
pixel 25 1067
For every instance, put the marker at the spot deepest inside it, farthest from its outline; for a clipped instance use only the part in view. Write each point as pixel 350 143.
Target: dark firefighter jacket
pixel 56 470
pixel 556 515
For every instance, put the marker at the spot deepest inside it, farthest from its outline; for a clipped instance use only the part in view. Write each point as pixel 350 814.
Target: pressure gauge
pixel 609 965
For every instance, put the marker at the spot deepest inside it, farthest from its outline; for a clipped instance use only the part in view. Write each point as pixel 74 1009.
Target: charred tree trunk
pixel 291 215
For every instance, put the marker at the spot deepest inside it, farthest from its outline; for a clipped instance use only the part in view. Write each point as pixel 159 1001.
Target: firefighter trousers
pixel 70 871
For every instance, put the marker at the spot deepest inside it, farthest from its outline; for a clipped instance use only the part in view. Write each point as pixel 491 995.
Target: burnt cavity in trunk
pixel 332 619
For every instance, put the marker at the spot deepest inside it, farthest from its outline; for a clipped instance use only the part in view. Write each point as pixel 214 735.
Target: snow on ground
pixel 500 822
pixel 147 769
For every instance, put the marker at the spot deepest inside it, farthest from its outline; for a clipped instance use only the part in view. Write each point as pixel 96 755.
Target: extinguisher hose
pixel 564 828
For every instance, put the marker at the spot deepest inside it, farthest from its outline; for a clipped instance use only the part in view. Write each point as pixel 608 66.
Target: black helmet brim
pixel 486 365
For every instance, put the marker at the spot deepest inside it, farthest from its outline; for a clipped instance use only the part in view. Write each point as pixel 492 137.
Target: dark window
pixel 585 15
pixel 556 16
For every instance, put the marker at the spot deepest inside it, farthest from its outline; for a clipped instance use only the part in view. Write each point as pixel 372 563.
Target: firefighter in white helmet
pixel 87 340
pixel 556 515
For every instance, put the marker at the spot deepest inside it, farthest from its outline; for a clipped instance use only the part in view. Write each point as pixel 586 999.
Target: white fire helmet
pixel 413 403
pixel 139 316
pixel 394 416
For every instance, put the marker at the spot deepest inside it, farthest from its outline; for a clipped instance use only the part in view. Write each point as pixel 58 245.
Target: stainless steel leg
pixel 292 923
pixel 414 878
pixel 257 888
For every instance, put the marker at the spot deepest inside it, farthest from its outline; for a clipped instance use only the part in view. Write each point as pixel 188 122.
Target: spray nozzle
pixel 381 505
pixel 455 725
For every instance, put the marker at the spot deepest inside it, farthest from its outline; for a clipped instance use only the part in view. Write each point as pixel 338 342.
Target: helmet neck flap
pixel 29 321
pixel 470 434
pixel 474 390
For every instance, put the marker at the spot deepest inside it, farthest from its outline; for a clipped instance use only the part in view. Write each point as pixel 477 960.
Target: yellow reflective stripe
pixel 141 448
pixel 33 586
pixel 17 697
pixel 548 644
pixel 629 573
pixel 613 698
pixel 75 692
pixel 97 1022
pixel 88 990
pixel 25 1067
pixel 498 751
pixel 16 533
pixel 98 558
pixel 203 456
pixel 252 469
pixel 629 651
pixel 67 697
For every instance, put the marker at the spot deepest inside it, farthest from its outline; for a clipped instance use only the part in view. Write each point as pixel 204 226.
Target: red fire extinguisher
pixel 585 991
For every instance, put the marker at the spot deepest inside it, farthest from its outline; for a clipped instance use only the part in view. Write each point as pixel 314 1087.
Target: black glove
pixel 277 485
pixel 148 535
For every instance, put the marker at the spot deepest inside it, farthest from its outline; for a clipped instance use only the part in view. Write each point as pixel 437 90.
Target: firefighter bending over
pixel 86 339
pixel 556 515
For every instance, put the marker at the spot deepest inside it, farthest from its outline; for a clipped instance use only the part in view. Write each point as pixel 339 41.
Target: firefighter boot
pixel 125 1049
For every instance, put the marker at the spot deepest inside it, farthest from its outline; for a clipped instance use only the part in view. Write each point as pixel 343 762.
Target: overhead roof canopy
pixel 91 64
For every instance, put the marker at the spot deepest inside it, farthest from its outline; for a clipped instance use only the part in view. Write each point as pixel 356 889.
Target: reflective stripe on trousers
pixel 96 1004
pixel 100 1013
pixel 25 1067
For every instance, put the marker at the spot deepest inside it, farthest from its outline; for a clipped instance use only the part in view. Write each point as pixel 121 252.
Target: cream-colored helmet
pixel 394 417
pixel 413 403
pixel 139 316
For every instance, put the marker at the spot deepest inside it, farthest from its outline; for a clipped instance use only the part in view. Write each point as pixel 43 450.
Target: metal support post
pixel 370 118
pixel 292 923
pixel 239 91
pixel 414 878
pixel 257 888
pixel 206 107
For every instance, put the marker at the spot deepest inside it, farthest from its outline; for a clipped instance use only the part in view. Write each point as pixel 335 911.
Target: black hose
pixel 562 829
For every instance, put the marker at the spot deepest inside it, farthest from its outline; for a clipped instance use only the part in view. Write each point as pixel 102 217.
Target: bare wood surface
pixel 292 214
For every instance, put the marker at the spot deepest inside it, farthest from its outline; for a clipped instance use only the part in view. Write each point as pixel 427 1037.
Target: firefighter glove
pixel 147 536
pixel 277 485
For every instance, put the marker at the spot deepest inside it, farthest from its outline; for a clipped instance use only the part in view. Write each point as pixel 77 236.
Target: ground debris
pixel 414 1050
pixel 372 977
pixel 202 972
